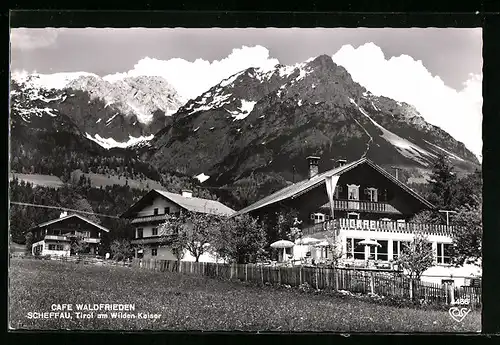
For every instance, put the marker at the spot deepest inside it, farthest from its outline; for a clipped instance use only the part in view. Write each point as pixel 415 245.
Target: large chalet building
pixel 368 203
pixel 152 209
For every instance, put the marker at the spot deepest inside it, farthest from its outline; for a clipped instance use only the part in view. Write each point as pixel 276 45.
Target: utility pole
pixel 397 170
pixel 447 215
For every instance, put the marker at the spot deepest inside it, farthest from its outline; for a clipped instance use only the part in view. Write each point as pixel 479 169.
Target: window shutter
pixel 340 188
pixel 312 216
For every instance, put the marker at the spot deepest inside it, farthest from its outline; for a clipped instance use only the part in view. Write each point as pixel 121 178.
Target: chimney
pixel 313 165
pixel 63 214
pixel 187 193
pixel 341 162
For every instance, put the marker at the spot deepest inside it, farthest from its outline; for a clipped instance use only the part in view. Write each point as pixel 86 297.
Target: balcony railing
pixel 151 240
pixel 151 218
pixel 56 238
pixel 363 206
pixel 378 225
pixel 92 240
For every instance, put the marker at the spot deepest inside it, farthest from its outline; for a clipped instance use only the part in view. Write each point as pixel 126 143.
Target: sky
pixel 438 70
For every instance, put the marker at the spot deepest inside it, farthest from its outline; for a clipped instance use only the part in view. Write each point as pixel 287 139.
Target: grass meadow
pixel 199 303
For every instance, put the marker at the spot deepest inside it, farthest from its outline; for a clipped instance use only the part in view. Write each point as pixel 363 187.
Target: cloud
pixel 30 39
pixel 191 79
pixel 459 112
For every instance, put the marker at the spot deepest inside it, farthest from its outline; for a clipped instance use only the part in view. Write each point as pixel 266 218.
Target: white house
pixel 152 210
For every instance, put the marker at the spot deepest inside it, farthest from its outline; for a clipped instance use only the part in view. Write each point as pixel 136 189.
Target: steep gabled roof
pixel 50 222
pixel 191 204
pixel 304 186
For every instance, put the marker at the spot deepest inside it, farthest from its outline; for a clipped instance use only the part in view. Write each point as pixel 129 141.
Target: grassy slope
pixel 39 180
pixel 96 179
pixel 99 180
pixel 199 303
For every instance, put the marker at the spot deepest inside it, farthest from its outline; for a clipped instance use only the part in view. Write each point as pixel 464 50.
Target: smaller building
pixel 55 237
pixel 147 214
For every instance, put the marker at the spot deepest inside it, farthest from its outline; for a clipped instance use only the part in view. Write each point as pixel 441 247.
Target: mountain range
pixel 254 121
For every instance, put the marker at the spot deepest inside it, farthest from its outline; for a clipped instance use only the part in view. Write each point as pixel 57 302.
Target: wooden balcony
pixel 378 225
pixel 151 240
pixel 92 240
pixel 362 206
pixel 56 238
pixel 159 218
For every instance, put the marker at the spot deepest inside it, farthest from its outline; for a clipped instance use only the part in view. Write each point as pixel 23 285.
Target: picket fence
pixel 83 259
pixel 352 280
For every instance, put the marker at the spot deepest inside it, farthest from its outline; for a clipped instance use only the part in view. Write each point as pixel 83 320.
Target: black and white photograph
pixel 245 179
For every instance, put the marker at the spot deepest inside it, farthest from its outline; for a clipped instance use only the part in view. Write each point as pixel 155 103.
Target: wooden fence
pixel 353 280
pixel 83 259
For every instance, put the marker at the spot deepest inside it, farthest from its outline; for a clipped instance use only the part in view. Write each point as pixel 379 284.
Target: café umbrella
pixel 369 242
pixel 282 244
pixel 307 241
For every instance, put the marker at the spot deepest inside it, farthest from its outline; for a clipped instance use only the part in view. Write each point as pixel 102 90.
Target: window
pixel 338 190
pixel 38 249
pixel 399 247
pixel 154 232
pixel 359 250
pixel 352 215
pixel 139 233
pixel 443 253
pixel 349 250
pixel 86 234
pixel 56 247
pixel 353 192
pixel 381 253
pixel 354 249
pixel 154 251
pixel 155 211
pixel 167 210
pixel 372 194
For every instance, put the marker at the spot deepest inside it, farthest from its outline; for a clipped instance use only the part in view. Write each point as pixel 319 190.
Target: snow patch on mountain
pixel 405 147
pixel 202 177
pixel 452 155
pixel 109 143
pixel 230 80
pixel 108 121
pixel 218 101
pixel 49 111
pixel 244 110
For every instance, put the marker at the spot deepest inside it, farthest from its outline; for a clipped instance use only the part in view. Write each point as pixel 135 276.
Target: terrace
pixel 378 225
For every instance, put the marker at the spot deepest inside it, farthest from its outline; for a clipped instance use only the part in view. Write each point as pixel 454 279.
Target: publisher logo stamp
pixel 459 312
